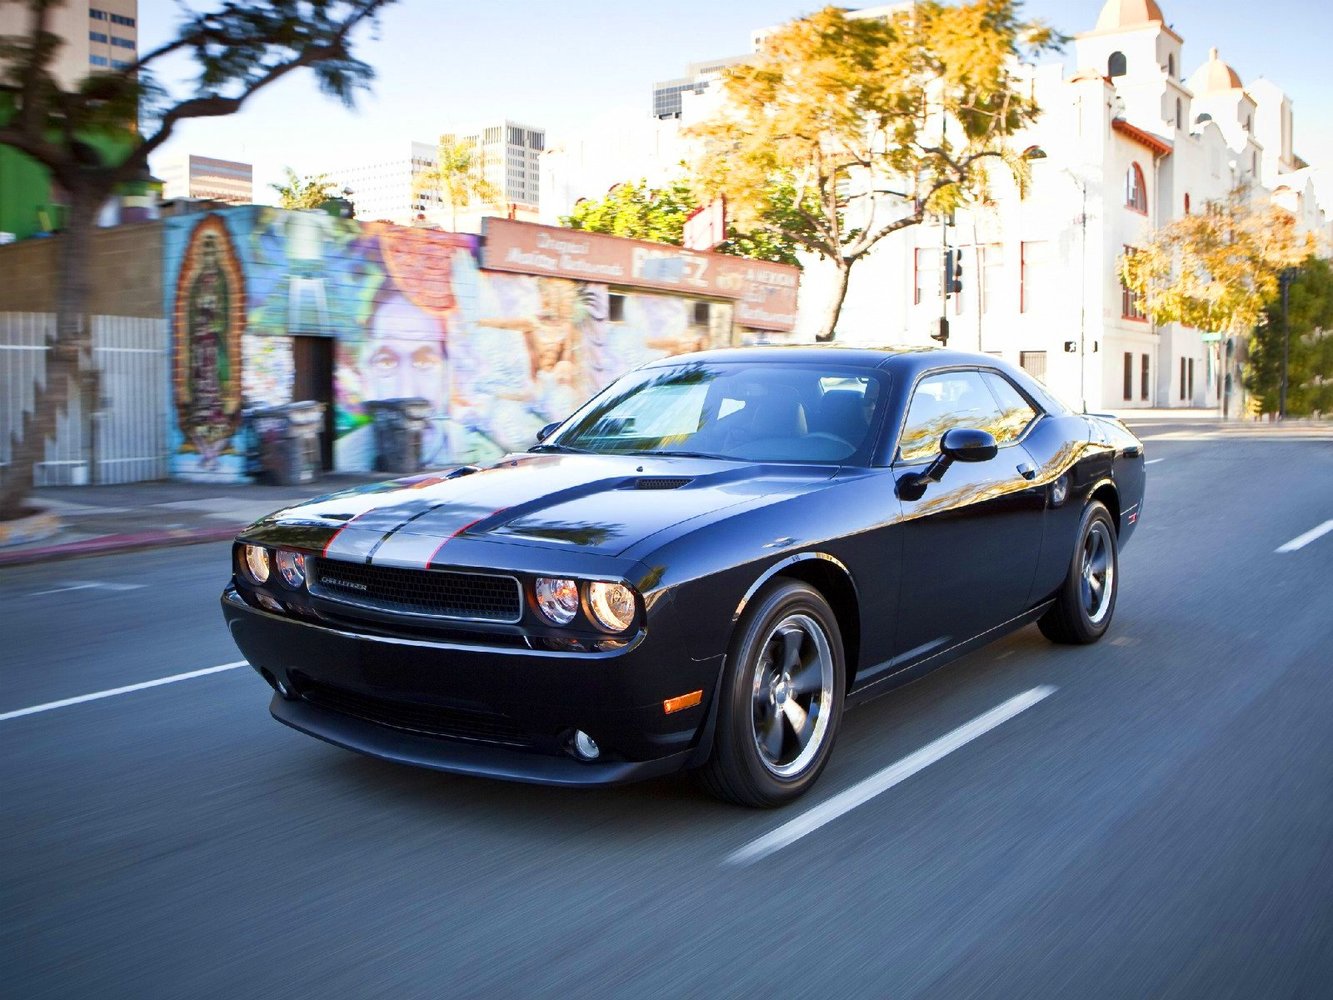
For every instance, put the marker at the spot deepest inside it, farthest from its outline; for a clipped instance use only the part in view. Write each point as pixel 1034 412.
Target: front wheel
pixel 781 699
pixel 1086 600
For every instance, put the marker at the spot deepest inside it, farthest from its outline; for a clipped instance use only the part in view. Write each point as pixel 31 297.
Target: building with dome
pixel 1126 142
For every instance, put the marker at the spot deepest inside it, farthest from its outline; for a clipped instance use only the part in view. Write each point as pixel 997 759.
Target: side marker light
pixel 682 702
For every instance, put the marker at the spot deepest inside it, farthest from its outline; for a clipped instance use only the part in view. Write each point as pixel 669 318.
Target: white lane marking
pixel 1154 461
pixel 86 585
pixel 881 781
pixel 96 695
pixel 1301 541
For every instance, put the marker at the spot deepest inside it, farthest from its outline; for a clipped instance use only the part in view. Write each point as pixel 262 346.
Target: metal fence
pixel 124 439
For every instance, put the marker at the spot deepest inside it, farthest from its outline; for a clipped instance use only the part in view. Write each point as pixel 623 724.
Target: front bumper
pixel 499 712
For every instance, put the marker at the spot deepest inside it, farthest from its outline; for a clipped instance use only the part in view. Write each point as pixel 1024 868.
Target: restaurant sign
pixel 764 293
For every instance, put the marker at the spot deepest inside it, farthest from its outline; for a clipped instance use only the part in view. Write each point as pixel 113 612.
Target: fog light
pixel 585 746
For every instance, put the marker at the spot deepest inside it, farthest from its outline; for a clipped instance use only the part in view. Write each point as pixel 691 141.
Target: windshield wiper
pixel 681 454
pixel 560 447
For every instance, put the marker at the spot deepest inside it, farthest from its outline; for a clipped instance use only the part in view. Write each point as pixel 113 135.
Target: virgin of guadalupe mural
pixel 207 323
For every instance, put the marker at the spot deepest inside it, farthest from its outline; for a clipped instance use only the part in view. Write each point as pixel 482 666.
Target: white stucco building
pixel 1126 142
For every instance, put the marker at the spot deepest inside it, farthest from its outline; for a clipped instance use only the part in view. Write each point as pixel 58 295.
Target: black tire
pixel 1086 600
pixel 785 664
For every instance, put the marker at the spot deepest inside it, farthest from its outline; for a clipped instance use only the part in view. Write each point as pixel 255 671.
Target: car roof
pixel 907 360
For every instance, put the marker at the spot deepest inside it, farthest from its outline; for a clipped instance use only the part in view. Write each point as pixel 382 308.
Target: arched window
pixel 1115 66
pixel 1136 191
pixel 1171 65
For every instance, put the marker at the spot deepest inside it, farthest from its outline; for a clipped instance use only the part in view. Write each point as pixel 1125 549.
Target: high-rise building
pixel 699 76
pixel 191 176
pixel 388 188
pixel 511 161
pixel 96 35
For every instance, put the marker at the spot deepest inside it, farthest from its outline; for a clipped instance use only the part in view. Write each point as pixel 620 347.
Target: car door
pixel 971 541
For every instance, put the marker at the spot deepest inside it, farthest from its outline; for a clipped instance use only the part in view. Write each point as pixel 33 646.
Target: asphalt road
pixel 1161 825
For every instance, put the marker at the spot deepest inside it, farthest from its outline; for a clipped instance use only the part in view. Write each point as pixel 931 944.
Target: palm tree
pixel 457 179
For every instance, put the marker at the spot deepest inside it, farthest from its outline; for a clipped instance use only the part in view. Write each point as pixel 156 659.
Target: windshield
pixel 750 412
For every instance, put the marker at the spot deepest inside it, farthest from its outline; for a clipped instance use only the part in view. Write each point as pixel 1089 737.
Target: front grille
pixel 429 720
pixel 438 593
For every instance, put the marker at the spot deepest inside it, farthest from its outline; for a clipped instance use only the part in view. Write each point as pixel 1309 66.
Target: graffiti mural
pixel 409 313
pixel 207 324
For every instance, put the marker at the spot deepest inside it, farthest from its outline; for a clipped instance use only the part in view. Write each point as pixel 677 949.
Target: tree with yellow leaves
pixel 1216 270
pixel 844 130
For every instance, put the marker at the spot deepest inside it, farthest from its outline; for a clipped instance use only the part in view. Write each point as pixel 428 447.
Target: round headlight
pixel 558 599
pixel 612 605
pixel 256 562
pixel 292 567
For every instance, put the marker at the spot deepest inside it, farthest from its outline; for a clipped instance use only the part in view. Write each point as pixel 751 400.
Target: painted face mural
pixel 207 324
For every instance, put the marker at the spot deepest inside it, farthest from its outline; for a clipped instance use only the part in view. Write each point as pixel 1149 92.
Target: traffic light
pixel 943 335
pixel 953 271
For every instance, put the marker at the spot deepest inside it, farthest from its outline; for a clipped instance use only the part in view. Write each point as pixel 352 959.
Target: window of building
pixel 1116 65
pixel 96 15
pixel 536 140
pixel 1143 377
pixel 1136 191
pixel 1171 72
pixel 615 308
pixel 1249 123
pixel 927 275
pixel 1180 114
pixel 990 265
pixel 122 19
pixel 97 36
pixel 120 64
pixel 1032 275
pixel 1187 203
pixel 1034 363
pixel 1129 375
pixel 97 60
pixel 1182 378
pixel 1131 305
pixel 124 43
pixel 701 313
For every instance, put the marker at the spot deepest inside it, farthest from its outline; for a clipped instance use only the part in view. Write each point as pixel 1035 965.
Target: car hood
pixel 601 504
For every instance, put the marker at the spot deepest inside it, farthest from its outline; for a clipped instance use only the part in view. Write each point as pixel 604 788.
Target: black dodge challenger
pixel 698 569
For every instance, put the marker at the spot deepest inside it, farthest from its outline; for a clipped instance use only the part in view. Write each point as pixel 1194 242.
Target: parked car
pixel 698 569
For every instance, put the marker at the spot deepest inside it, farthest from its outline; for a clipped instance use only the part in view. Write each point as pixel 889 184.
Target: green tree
pixel 844 130
pixel 1309 331
pixel 634 210
pixel 458 178
pixel 1216 270
pixel 310 191
pixel 238 49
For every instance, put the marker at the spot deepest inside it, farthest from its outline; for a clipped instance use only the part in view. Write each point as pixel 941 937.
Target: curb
pixel 105 544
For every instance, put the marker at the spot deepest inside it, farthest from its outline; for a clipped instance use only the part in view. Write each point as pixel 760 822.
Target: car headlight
pixel 256 562
pixel 612 605
pixel 291 565
pixel 558 599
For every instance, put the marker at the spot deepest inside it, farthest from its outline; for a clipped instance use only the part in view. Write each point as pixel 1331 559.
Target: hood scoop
pixel 662 482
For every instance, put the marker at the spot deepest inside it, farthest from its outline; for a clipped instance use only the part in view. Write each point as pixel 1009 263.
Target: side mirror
pixel 963 444
pixel 547 431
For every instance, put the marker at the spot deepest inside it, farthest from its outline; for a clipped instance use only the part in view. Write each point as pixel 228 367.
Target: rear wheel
pixel 781 699
pixel 1086 600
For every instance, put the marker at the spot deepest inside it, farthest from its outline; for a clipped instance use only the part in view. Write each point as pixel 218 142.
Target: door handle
pixel 1027 471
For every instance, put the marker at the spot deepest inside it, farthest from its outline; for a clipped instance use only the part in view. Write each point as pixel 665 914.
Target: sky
pixel 578 65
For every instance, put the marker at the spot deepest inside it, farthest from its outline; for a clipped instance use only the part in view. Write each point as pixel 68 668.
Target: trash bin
pixel 288 438
pixel 399 426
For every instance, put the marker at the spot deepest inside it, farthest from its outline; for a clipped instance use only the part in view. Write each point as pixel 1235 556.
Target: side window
pixel 1015 411
pixel 941 403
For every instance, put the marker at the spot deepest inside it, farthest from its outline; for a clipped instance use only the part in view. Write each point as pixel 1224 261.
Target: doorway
pixel 312 358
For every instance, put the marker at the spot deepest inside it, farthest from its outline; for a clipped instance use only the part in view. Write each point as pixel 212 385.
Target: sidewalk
pixel 94 520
